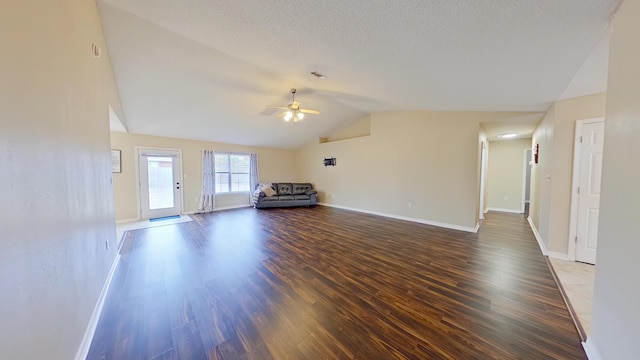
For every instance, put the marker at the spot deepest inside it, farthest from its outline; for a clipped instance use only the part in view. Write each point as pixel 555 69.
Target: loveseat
pixel 284 195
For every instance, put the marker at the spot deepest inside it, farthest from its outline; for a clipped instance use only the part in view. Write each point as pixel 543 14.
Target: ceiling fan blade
pixel 282 114
pixel 277 107
pixel 310 111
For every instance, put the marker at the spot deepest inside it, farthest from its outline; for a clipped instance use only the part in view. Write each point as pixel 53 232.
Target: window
pixel 232 172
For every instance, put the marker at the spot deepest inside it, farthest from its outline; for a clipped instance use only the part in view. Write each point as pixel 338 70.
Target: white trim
pixel 543 247
pixel 421 221
pixel 221 208
pixel 524 181
pixel 483 174
pixel 558 255
pixel 575 182
pixel 514 211
pixel 591 350
pixel 83 350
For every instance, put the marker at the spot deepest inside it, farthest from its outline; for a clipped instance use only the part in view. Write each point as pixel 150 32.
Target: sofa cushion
pixel 300 189
pixel 301 197
pixel 284 189
pixel 285 197
pixel 270 198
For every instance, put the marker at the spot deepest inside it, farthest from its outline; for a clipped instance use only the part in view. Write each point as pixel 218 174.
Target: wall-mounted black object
pixel 329 161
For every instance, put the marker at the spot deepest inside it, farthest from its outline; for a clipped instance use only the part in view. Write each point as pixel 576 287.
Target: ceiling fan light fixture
pixel 300 115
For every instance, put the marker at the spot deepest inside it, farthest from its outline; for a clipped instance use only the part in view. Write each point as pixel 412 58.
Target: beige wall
pixel 57 199
pixel 359 128
pixel 505 177
pixel 273 165
pixel 616 316
pixel 428 159
pixel 551 177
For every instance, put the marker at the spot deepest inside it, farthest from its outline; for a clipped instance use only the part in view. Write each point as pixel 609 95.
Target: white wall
pixel 616 315
pixel 274 165
pixel 56 213
pixel 505 178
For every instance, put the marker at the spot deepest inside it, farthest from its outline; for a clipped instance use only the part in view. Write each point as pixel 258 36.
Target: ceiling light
pixel 300 115
pixel 508 135
pixel 318 75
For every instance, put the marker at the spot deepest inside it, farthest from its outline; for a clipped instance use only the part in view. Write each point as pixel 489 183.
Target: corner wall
pixel 274 165
pixel 57 200
pixel 505 178
pixel 616 317
pixel 429 160
pixel 551 178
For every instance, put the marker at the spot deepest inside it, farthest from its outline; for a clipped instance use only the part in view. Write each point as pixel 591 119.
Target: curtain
pixel 208 194
pixel 253 172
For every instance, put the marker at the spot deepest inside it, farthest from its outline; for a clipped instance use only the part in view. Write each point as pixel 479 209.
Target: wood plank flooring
pixel 325 283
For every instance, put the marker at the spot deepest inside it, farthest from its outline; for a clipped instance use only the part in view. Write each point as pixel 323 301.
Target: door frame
pixel 524 180
pixel 575 183
pixel 139 181
pixel 483 174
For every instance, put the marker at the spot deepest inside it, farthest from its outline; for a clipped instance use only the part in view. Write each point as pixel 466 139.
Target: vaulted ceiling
pixel 202 69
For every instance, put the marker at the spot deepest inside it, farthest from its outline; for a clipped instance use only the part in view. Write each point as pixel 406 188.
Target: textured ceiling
pixel 206 69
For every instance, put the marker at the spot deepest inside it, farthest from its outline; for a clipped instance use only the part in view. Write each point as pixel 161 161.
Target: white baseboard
pixel 421 221
pixel 85 345
pixel 543 247
pixel 220 209
pixel 514 211
pixel 232 207
pixel 557 255
pixel 591 350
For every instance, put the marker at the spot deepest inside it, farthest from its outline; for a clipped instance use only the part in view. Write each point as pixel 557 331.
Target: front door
pixel 160 183
pixel 589 191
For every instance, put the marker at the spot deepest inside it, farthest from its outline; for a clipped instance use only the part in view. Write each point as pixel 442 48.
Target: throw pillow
pixel 268 190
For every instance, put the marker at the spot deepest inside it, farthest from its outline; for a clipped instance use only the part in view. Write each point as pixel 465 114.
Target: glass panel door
pixel 160 184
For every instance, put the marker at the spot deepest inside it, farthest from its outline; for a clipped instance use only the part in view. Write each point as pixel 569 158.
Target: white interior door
pixel 160 183
pixel 592 138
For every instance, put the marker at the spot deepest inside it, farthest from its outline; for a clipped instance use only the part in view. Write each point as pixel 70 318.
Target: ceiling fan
pixel 293 110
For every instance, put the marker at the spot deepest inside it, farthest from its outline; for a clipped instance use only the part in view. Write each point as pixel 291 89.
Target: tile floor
pixel 577 280
pixel 123 227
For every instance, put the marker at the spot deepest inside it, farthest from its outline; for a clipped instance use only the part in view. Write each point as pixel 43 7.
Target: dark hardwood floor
pixel 324 283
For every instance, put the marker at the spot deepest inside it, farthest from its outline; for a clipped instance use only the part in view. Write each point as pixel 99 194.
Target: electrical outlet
pixel 506 198
pixel 409 204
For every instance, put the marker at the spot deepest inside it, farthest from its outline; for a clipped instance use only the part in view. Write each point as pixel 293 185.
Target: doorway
pixel 527 182
pixel 585 195
pixel 160 182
